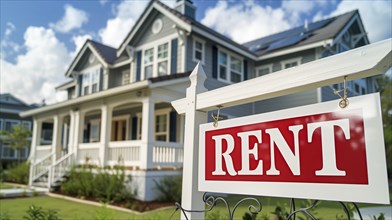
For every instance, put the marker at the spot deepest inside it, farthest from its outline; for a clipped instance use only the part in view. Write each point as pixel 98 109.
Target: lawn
pixel 16 209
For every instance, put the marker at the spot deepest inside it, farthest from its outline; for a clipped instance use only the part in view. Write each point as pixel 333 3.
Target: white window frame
pixel 269 67
pixel 1 124
pixel 89 71
pixel 203 44
pixel 160 60
pixel 284 62
pixel 228 66
pixel 4 146
pixel 159 112
pixel 123 78
pixel 28 123
pixel 95 122
pixel 12 121
pixel 155 45
pixel 121 118
pixel 139 126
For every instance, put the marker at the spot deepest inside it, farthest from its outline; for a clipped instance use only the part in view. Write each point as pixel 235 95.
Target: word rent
pixel 278 142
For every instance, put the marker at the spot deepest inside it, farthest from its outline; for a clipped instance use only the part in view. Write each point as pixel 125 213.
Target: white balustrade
pixel 61 167
pixel 167 154
pixel 88 153
pixel 40 167
pixel 126 153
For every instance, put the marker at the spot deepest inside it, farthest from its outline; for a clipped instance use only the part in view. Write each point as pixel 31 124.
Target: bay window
pixel 230 68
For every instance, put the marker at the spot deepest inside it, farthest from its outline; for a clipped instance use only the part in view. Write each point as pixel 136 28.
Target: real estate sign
pixel 319 151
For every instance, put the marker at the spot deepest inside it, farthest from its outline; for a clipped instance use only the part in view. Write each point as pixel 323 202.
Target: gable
pixel 155 27
pixel 10 99
pixel 87 60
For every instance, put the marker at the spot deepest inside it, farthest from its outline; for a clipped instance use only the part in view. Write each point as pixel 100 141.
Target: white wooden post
pixel 79 127
pixel 147 133
pixel 70 144
pixel 34 144
pixel 106 119
pixel 192 199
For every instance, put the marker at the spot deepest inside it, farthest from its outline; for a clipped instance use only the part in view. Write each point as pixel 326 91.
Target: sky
pixel 39 39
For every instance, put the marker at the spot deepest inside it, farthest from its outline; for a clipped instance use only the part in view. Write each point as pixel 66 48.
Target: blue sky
pixel 40 38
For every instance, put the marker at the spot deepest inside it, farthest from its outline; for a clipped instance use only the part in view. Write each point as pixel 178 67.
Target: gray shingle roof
pixel 300 36
pixel 106 52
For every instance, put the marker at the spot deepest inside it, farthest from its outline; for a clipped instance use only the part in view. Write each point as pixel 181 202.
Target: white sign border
pixel 375 192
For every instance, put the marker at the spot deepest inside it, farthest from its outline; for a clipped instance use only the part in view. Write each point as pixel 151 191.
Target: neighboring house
pixel 10 107
pixel 118 109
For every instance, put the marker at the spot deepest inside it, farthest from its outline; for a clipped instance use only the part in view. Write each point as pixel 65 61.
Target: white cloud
pixel 73 18
pixel 36 72
pixel 244 22
pixel 126 14
pixel 103 2
pixel 376 16
pixel 79 42
pixel 9 29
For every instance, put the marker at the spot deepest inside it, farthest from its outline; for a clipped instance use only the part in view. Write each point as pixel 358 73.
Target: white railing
pixel 61 166
pixel 88 153
pixel 124 152
pixel 41 152
pixel 40 167
pixel 167 154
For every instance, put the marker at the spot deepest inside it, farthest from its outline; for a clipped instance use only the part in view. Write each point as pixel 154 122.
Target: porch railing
pixel 41 167
pixel 61 166
pixel 88 153
pixel 167 154
pixel 126 153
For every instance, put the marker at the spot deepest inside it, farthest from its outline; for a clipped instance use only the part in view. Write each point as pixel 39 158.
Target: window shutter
pixel 80 79
pixel 134 128
pixel 173 126
pixel 214 62
pixel 245 70
pixel 138 65
pixel 173 64
pixel 101 79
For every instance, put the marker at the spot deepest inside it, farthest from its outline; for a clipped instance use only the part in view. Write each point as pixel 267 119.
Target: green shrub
pixel 105 186
pixel 169 189
pixel 18 173
pixel 38 213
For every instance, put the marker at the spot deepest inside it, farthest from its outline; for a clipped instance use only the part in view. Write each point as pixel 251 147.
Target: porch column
pixel 106 119
pixel 34 144
pixel 78 132
pixel 147 133
pixel 71 131
pixel 55 136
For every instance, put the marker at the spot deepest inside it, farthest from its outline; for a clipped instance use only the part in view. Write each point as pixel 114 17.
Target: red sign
pixel 313 145
pixel 322 148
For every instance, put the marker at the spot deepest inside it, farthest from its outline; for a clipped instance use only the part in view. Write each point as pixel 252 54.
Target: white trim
pixel 155 60
pixel 164 111
pixel 95 122
pixel 66 85
pixel 127 128
pixel 298 60
pixel 348 26
pixel 203 51
pixel 269 66
pixel 323 43
pixel 90 71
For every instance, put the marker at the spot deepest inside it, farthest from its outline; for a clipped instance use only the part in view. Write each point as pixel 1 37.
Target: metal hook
pixel 217 117
pixel 343 103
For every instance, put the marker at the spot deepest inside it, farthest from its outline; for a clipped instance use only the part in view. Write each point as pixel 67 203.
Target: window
pixel 8 152
pixel 126 77
pixel 10 124
pixel 198 50
pixel 148 62
pixel 163 54
pixel 1 124
pixel 161 127
pixel 156 60
pixel 263 70
pixel 230 68
pixel 90 81
pixel 290 63
pixel 26 124
pixel 94 130
pixel 119 128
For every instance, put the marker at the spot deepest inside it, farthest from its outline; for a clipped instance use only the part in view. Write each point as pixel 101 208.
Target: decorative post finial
pixel 198 77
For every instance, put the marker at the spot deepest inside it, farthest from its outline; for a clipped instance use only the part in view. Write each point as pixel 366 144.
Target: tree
pixel 17 139
pixel 386 108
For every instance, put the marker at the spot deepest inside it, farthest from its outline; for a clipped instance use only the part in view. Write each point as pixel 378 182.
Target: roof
pixel 300 36
pixel 106 52
pixel 11 104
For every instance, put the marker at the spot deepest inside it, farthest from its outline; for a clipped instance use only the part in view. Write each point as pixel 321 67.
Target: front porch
pixel 139 133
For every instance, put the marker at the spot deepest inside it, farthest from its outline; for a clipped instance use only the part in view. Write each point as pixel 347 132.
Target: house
pixel 118 109
pixel 10 107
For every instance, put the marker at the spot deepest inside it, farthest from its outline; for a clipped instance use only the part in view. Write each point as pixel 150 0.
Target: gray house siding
pixel 146 35
pixel 116 76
